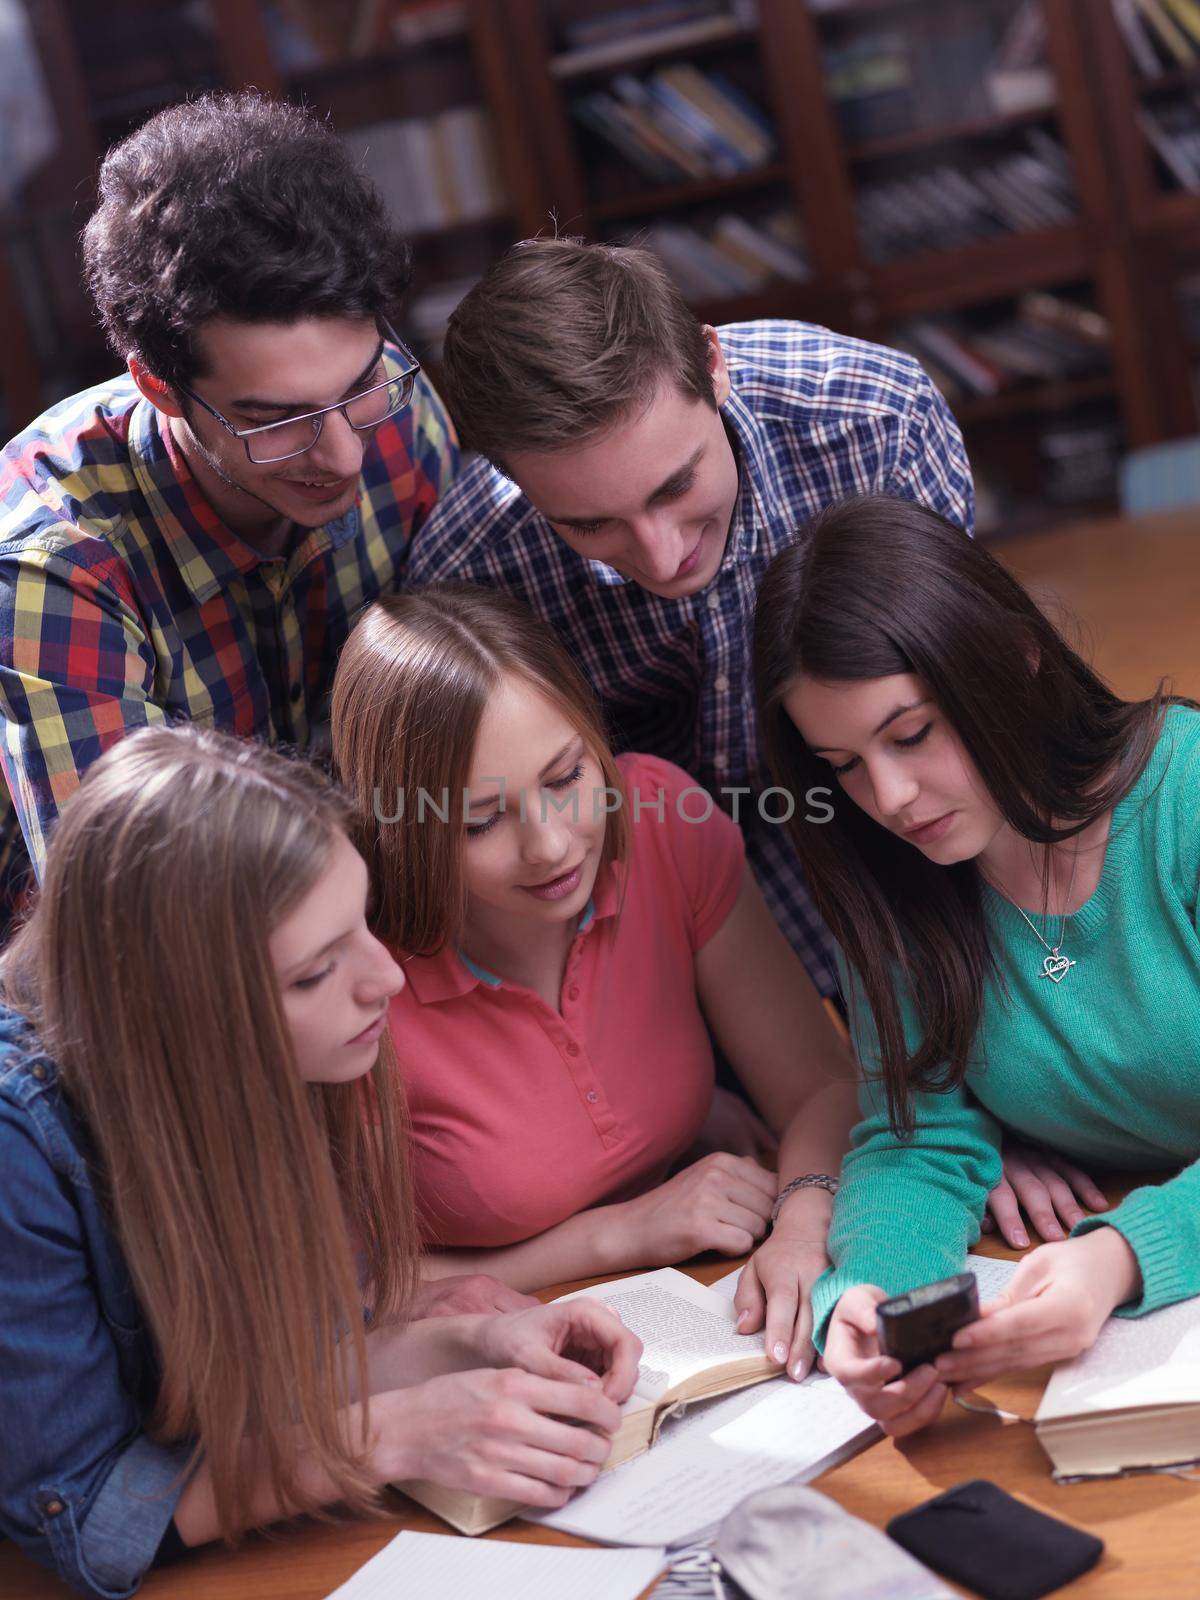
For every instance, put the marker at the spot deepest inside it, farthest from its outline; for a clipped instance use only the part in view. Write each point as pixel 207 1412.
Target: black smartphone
pixel 915 1327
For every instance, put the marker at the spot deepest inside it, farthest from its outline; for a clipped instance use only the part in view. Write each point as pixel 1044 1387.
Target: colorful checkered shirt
pixel 813 417
pixel 124 600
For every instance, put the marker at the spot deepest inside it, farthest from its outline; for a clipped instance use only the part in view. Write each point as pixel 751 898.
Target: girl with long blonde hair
pixel 205 1212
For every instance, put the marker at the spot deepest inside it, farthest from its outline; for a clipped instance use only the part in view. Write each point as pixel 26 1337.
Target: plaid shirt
pixel 124 600
pixel 813 417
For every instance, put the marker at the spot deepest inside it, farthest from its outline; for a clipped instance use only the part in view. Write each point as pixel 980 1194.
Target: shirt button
pixel 592 1097
pixel 39 1072
pixel 720 762
pixel 54 1508
pixel 297 692
pixel 573 992
pixel 721 683
pixel 714 601
pixel 572 1048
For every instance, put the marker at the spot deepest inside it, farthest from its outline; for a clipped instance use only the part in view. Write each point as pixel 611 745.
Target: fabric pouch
pixel 1001 1548
pixel 793 1543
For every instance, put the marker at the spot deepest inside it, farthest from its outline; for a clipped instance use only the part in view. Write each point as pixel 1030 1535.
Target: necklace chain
pixel 1055 966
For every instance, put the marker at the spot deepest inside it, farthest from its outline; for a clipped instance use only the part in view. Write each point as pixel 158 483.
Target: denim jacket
pixel 83 1490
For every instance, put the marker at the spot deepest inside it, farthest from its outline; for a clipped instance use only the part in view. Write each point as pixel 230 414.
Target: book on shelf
pixel 1138 41
pixel 1173 43
pixel 692 1351
pixel 1173 133
pixel 433 172
pixel 1131 1402
pixel 1186 13
pixel 678 124
pixel 1026 190
pixel 1047 338
pixel 730 255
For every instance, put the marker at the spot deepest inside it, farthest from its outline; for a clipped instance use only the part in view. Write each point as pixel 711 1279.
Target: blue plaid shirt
pixel 813 418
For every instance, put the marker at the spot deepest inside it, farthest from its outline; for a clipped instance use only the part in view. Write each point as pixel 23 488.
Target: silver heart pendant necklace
pixel 1055 966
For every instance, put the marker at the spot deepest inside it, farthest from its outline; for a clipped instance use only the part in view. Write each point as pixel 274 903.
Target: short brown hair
pixel 560 339
pixel 408 698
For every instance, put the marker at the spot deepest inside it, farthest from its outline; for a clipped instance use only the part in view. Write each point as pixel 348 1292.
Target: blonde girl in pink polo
pixel 569 922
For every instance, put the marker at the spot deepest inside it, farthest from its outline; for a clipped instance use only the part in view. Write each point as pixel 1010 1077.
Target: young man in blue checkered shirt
pixel 636 474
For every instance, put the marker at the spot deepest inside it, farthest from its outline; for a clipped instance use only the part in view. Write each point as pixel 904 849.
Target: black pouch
pixel 1004 1550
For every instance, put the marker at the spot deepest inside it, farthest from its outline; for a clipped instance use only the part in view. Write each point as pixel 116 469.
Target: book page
pixel 713 1456
pixel 433 1564
pixel 1135 1361
pixel 685 1327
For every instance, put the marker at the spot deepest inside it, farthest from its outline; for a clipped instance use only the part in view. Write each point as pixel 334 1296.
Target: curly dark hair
pixel 235 205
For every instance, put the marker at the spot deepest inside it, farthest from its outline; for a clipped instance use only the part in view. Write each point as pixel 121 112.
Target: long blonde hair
pixel 408 698
pixel 239 1193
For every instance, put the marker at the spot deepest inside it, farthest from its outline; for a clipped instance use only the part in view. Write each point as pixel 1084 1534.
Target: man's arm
pixel 75 677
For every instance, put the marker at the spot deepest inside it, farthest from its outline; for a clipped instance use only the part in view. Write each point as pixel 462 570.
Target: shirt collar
pixel 760 486
pixel 450 974
pixel 207 553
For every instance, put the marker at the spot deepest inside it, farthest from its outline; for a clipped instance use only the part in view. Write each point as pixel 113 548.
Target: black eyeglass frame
pixel 407 378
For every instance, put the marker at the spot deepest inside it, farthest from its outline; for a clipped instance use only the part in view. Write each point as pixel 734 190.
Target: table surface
pixel 1135 584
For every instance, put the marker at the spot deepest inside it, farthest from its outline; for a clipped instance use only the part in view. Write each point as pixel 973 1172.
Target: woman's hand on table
pixel 1054 1306
pixel 1046 1187
pixel 490 1432
pixel 721 1202
pixel 465 1294
pixel 775 1289
pixel 574 1341
pixel 900 1405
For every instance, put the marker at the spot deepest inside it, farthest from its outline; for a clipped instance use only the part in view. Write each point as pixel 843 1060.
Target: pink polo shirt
pixel 522 1115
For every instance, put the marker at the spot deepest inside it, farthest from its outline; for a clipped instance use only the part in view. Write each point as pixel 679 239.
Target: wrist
pixel 610 1238
pixel 1116 1263
pixel 805 1214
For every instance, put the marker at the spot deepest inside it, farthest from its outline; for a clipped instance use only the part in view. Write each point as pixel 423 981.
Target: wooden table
pixel 1136 586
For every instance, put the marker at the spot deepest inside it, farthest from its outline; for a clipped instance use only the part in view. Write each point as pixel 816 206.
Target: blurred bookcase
pixel 1003 187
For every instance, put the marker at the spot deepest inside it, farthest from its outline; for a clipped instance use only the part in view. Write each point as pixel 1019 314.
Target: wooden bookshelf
pixel 1132 241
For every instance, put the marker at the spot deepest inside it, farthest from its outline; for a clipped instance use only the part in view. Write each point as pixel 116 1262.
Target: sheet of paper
pixel 442 1567
pixel 712 1457
pixel 1136 1361
pixel 683 1329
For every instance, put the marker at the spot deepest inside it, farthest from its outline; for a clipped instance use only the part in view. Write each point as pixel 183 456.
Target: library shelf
pixel 712 34
pixel 1031 399
pixel 696 192
pixel 918 139
pixel 989 270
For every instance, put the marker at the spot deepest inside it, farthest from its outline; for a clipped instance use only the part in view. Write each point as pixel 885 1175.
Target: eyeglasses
pixel 280 441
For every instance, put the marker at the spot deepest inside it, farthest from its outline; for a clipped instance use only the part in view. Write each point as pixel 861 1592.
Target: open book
pixel 1132 1401
pixel 692 1352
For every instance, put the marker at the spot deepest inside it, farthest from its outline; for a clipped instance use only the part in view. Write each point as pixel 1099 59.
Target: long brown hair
pixel 239 1193
pixel 408 698
pixel 876 587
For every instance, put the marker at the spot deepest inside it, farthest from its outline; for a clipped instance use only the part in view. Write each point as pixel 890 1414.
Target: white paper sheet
pixel 441 1567
pixel 712 1457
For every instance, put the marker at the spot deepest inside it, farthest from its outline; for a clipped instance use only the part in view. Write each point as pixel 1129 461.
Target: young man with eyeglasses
pixel 196 538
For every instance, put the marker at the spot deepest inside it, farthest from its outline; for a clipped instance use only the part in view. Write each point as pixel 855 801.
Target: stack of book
pixel 1160 34
pixel 611 38
pixel 679 123
pixel 433 172
pixel 1029 189
pixel 1045 339
pixel 884 81
pixel 731 256
pixel 1173 133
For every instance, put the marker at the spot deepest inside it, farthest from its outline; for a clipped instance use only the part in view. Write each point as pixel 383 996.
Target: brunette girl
pixel 568 922
pixel 1012 877
pixel 204 1182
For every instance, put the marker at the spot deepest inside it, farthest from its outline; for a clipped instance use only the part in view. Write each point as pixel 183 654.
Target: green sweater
pixel 1104 1066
